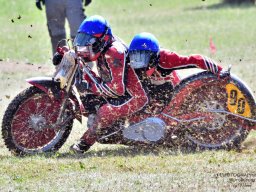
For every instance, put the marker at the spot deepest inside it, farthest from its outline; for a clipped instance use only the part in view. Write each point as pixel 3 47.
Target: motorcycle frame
pixel 52 88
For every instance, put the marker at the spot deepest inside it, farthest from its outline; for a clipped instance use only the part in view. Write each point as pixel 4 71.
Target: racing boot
pixel 86 141
pixel 80 147
pixel 88 138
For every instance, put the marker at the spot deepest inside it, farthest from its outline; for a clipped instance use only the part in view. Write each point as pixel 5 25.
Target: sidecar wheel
pixel 26 124
pixel 224 132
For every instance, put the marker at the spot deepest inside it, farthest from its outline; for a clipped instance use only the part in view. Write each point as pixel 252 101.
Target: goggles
pixel 139 59
pixel 83 39
pixel 83 45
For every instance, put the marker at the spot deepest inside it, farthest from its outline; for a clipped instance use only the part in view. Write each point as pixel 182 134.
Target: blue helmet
pixel 143 50
pixel 94 34
pixel 96 26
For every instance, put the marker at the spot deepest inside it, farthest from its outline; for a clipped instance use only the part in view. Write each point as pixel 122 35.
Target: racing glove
pixel 223 74
pixel 39 4
pixel 87 2
pixel 57 57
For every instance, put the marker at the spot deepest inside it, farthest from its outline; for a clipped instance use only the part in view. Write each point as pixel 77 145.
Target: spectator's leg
pixel 55 14
pixel 75 15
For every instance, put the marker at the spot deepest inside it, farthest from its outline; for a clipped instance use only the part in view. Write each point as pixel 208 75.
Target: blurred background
pixel 185 27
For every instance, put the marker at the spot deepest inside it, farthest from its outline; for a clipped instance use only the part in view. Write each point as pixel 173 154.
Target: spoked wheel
pixel 27 126
pixel 223 131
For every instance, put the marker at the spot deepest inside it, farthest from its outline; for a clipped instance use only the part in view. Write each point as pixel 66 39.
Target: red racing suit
pixel 171 60
pixel 112 71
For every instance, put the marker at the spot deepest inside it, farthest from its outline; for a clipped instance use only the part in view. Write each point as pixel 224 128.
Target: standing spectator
pixel 56 13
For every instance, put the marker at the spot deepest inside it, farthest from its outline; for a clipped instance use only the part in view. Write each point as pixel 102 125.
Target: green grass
pixel 123 169
pixel 182 26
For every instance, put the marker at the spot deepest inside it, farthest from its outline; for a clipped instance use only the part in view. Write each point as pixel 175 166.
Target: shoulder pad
pixel 119 47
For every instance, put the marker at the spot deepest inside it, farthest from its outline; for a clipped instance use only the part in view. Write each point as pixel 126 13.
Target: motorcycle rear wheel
pixel 26 124
pixel 227 132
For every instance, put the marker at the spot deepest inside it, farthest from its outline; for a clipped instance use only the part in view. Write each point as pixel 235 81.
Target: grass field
pixel 182 26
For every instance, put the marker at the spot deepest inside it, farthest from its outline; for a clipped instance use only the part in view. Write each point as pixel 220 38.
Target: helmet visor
pixel 83 39
pixel 139 59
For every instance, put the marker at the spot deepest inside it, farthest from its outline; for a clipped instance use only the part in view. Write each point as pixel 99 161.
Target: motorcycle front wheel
pixel 27 124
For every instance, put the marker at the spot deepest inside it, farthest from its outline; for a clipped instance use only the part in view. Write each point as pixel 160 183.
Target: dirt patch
pixel 22 67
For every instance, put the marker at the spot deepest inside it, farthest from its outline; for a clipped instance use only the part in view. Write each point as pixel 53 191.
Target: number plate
pixel 237 103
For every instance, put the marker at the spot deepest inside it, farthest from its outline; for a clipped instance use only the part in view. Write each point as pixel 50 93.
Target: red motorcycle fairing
pixel 46 84
pixel 53 90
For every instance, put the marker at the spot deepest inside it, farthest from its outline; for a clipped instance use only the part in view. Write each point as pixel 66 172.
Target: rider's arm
pixel 171 60
pixel 115 60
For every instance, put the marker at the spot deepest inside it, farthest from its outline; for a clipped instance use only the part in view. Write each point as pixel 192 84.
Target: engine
pixel 150 130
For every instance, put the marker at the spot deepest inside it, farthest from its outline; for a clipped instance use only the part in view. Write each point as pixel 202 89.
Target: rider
pixel 95 42
pixel 145 53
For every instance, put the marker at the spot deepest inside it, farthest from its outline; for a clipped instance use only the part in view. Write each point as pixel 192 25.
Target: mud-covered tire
pixel 232 132
pixel 28 109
